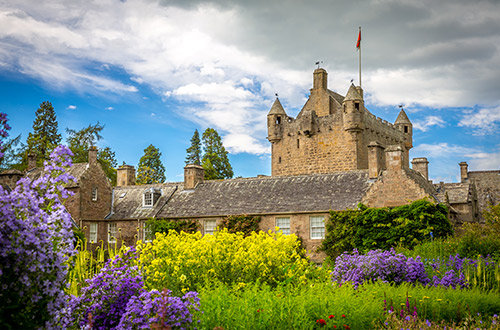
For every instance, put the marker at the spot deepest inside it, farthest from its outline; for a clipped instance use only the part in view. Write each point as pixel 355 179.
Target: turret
pixel 403 124
pixel 275 122
pixel 353 109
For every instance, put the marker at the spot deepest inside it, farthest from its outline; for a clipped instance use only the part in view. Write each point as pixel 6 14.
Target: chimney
pixel 464 174
pixel 125 175
pixel 193 174
pixel 320 80
pixel 376 161
pixel 31 161
pixel 421 165
pixel 394 158
pixel 93 155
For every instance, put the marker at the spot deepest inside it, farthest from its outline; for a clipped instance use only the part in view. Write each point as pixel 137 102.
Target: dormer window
pixel 150 197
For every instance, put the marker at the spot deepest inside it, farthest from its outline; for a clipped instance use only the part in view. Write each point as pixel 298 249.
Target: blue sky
pixel 154 71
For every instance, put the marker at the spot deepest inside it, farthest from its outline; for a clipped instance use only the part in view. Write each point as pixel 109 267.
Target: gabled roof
pixel 76 170
pixel 128 201
pixel 270 195
pixel 352 94
pixel 336 96
pixel 402 118
pixel 277 108
pixel 458 193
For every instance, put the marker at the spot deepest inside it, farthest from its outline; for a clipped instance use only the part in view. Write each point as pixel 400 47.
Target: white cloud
pixel 109 108
pixel 71 107
pixel 425 124
pixel 483 122
pixel 441 150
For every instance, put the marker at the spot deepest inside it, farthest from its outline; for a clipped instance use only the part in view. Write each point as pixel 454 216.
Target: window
pixel 210 227
pixel 148 199
pixel 284 225
pixel 317 227
pixel 93 232
pixel 112 232
pixel 278 120
pixel 406 129
pixel 279 160
pixel 356 106
pixel 147 235
pixel 298 143
pixel 94 194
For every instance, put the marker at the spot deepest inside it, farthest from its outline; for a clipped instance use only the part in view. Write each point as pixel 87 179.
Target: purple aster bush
pixel 162 310
pixel 116 299
pixel 36 240
pixel 386 266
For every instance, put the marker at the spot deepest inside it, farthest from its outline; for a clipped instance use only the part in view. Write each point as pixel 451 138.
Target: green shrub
pixel 165 225
pixel 241 223
pixel 382 228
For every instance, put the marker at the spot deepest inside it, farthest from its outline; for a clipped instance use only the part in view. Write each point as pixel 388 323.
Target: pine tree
pixel 150 169
pixel 45 136
pixel 215 160
pixel 81 141
pixel 194 151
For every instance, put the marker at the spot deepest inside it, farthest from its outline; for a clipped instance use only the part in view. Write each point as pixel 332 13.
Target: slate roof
pixel 127 201
pixel 76 170
pixel 262 195
pixel 270 195
pixel 458 193
pixel 336 96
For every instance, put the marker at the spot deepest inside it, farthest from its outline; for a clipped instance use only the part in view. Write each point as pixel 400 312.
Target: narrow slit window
pixel 94 194
pixel 112 232
pixel 298 143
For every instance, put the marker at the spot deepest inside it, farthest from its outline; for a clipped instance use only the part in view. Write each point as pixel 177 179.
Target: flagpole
pixel 359 56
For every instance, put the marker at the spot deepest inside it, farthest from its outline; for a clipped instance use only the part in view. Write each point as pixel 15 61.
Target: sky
pixel 154 71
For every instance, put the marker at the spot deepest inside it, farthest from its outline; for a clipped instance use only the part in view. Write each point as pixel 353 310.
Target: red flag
pixel 358 44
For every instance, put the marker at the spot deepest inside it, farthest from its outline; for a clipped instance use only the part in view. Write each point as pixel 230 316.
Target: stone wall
pixel 488 189
pixel 94 178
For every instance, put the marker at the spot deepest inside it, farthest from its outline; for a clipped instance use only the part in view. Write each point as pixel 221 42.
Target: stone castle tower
pixel 331 133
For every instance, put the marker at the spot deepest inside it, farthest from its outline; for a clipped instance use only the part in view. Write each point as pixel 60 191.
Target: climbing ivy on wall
pixel 241 223
pixel 382 228
pixel 164 225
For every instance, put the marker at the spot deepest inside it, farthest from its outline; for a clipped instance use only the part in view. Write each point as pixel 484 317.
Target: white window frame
pixel 147 199
pixel 283 223
pixel 112 232
pixel 94 194
pixel 317 226
pixel 209 227
pixel 147 236
pixel 93 230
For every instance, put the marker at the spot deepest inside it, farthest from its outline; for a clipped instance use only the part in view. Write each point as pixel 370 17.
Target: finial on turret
pixel 318 63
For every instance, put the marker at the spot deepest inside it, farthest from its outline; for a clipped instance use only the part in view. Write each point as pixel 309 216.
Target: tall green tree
pixel 194 151
pixel 45 136
pixel 215 160
pixel 13 151
pixel 81 141
pixel 150 169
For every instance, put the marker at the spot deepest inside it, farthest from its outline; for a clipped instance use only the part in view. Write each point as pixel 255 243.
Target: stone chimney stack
pixel 193 174
pixel 31 161
pixel 376 161
pixel 464 171
pixel 320 80
pixel 394 158
pixel 125 175
pixel 93 155
pixel 421 165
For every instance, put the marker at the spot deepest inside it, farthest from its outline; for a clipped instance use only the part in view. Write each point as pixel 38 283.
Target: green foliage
pixel 13 150
pixel 241 223
pixel 477 239
pixel 492 217
pixel 45 136
pixel 215 160
pixel 150 168
pixel 154 226
pixel 382 228
pixel 194 151
pixel 81 141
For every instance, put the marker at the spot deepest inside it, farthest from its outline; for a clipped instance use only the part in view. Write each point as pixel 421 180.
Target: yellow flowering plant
pixel 183 261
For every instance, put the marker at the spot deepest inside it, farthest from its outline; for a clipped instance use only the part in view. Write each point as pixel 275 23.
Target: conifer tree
pixel 194 151
pixel 215 160
pixel 81 141
pixel 150 168
pixel 45 136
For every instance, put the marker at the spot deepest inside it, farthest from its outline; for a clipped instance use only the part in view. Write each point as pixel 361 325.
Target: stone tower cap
pixel 402 118
pixel 277 108
pixel 352 94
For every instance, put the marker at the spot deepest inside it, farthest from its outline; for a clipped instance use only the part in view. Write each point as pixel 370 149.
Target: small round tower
pixel 353 108
pixel 275 122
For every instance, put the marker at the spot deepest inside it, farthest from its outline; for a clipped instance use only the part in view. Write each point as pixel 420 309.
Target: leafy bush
pixel 35 242
pixel 241 223
pixel 166 225
pixel 478 239
pixel 384 228
pixel 182 261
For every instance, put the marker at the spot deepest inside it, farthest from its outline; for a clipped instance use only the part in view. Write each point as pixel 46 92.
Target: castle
pixel 334 155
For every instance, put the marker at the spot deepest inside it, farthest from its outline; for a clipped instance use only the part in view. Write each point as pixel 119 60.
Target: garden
pixel 400 268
